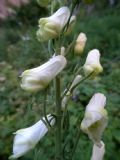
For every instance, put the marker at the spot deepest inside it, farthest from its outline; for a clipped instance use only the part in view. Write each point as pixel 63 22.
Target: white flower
pixel 92 63
pixel 51 27
pixel 38 78
pixel 27 138
pixel 80 44
pixel 95 119
pixel 98 152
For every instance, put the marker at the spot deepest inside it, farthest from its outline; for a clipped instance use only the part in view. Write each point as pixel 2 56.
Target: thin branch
pixel 44 108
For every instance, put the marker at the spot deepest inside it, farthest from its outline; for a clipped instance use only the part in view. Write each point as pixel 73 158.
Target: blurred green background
pixel 20 50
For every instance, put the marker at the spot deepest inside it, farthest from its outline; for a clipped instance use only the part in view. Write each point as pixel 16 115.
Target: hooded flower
pixel 27 138
pixel 98 152
pixel 51 27
pixel 38 78
pixel 80 44
pixel 92 63
pixel 95 119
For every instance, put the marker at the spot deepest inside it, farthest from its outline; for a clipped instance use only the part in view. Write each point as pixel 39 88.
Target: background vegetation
pixel 19 50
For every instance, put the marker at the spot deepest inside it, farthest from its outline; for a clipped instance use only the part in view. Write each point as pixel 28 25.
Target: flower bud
pixel 92 63
pixel 43 3
pixel 71 25
pixel 80 44
pixel 62 52
pixel 95 119
pixel 65 102
pixel 98 152
pixel 51 27
pixel 27 138
pixel 76 81
pixel 39 78
pixel 68 94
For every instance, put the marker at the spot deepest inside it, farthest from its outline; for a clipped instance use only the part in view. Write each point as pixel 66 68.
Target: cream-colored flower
pixel 92 63
pixel 98 152
pixel 27 138
pixel 95 118
pixel 39 78
pixel 80 44
pixel 51 27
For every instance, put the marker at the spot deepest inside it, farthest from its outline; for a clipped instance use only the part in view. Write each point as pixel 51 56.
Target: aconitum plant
pixel 55 30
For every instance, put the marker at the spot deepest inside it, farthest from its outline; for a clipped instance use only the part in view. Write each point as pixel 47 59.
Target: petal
pixel 97 102
pixel 98 152
pixel 94 124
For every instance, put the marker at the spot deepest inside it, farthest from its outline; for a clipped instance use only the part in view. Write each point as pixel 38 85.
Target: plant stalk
pixel 58 145
pixel 75 145
pixel 44 109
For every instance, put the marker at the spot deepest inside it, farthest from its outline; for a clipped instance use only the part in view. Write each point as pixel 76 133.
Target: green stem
pixel 75 145
pixel 63 116
pixel 44 110
pixel 50 50
pixel 70 47
pixel 58 144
